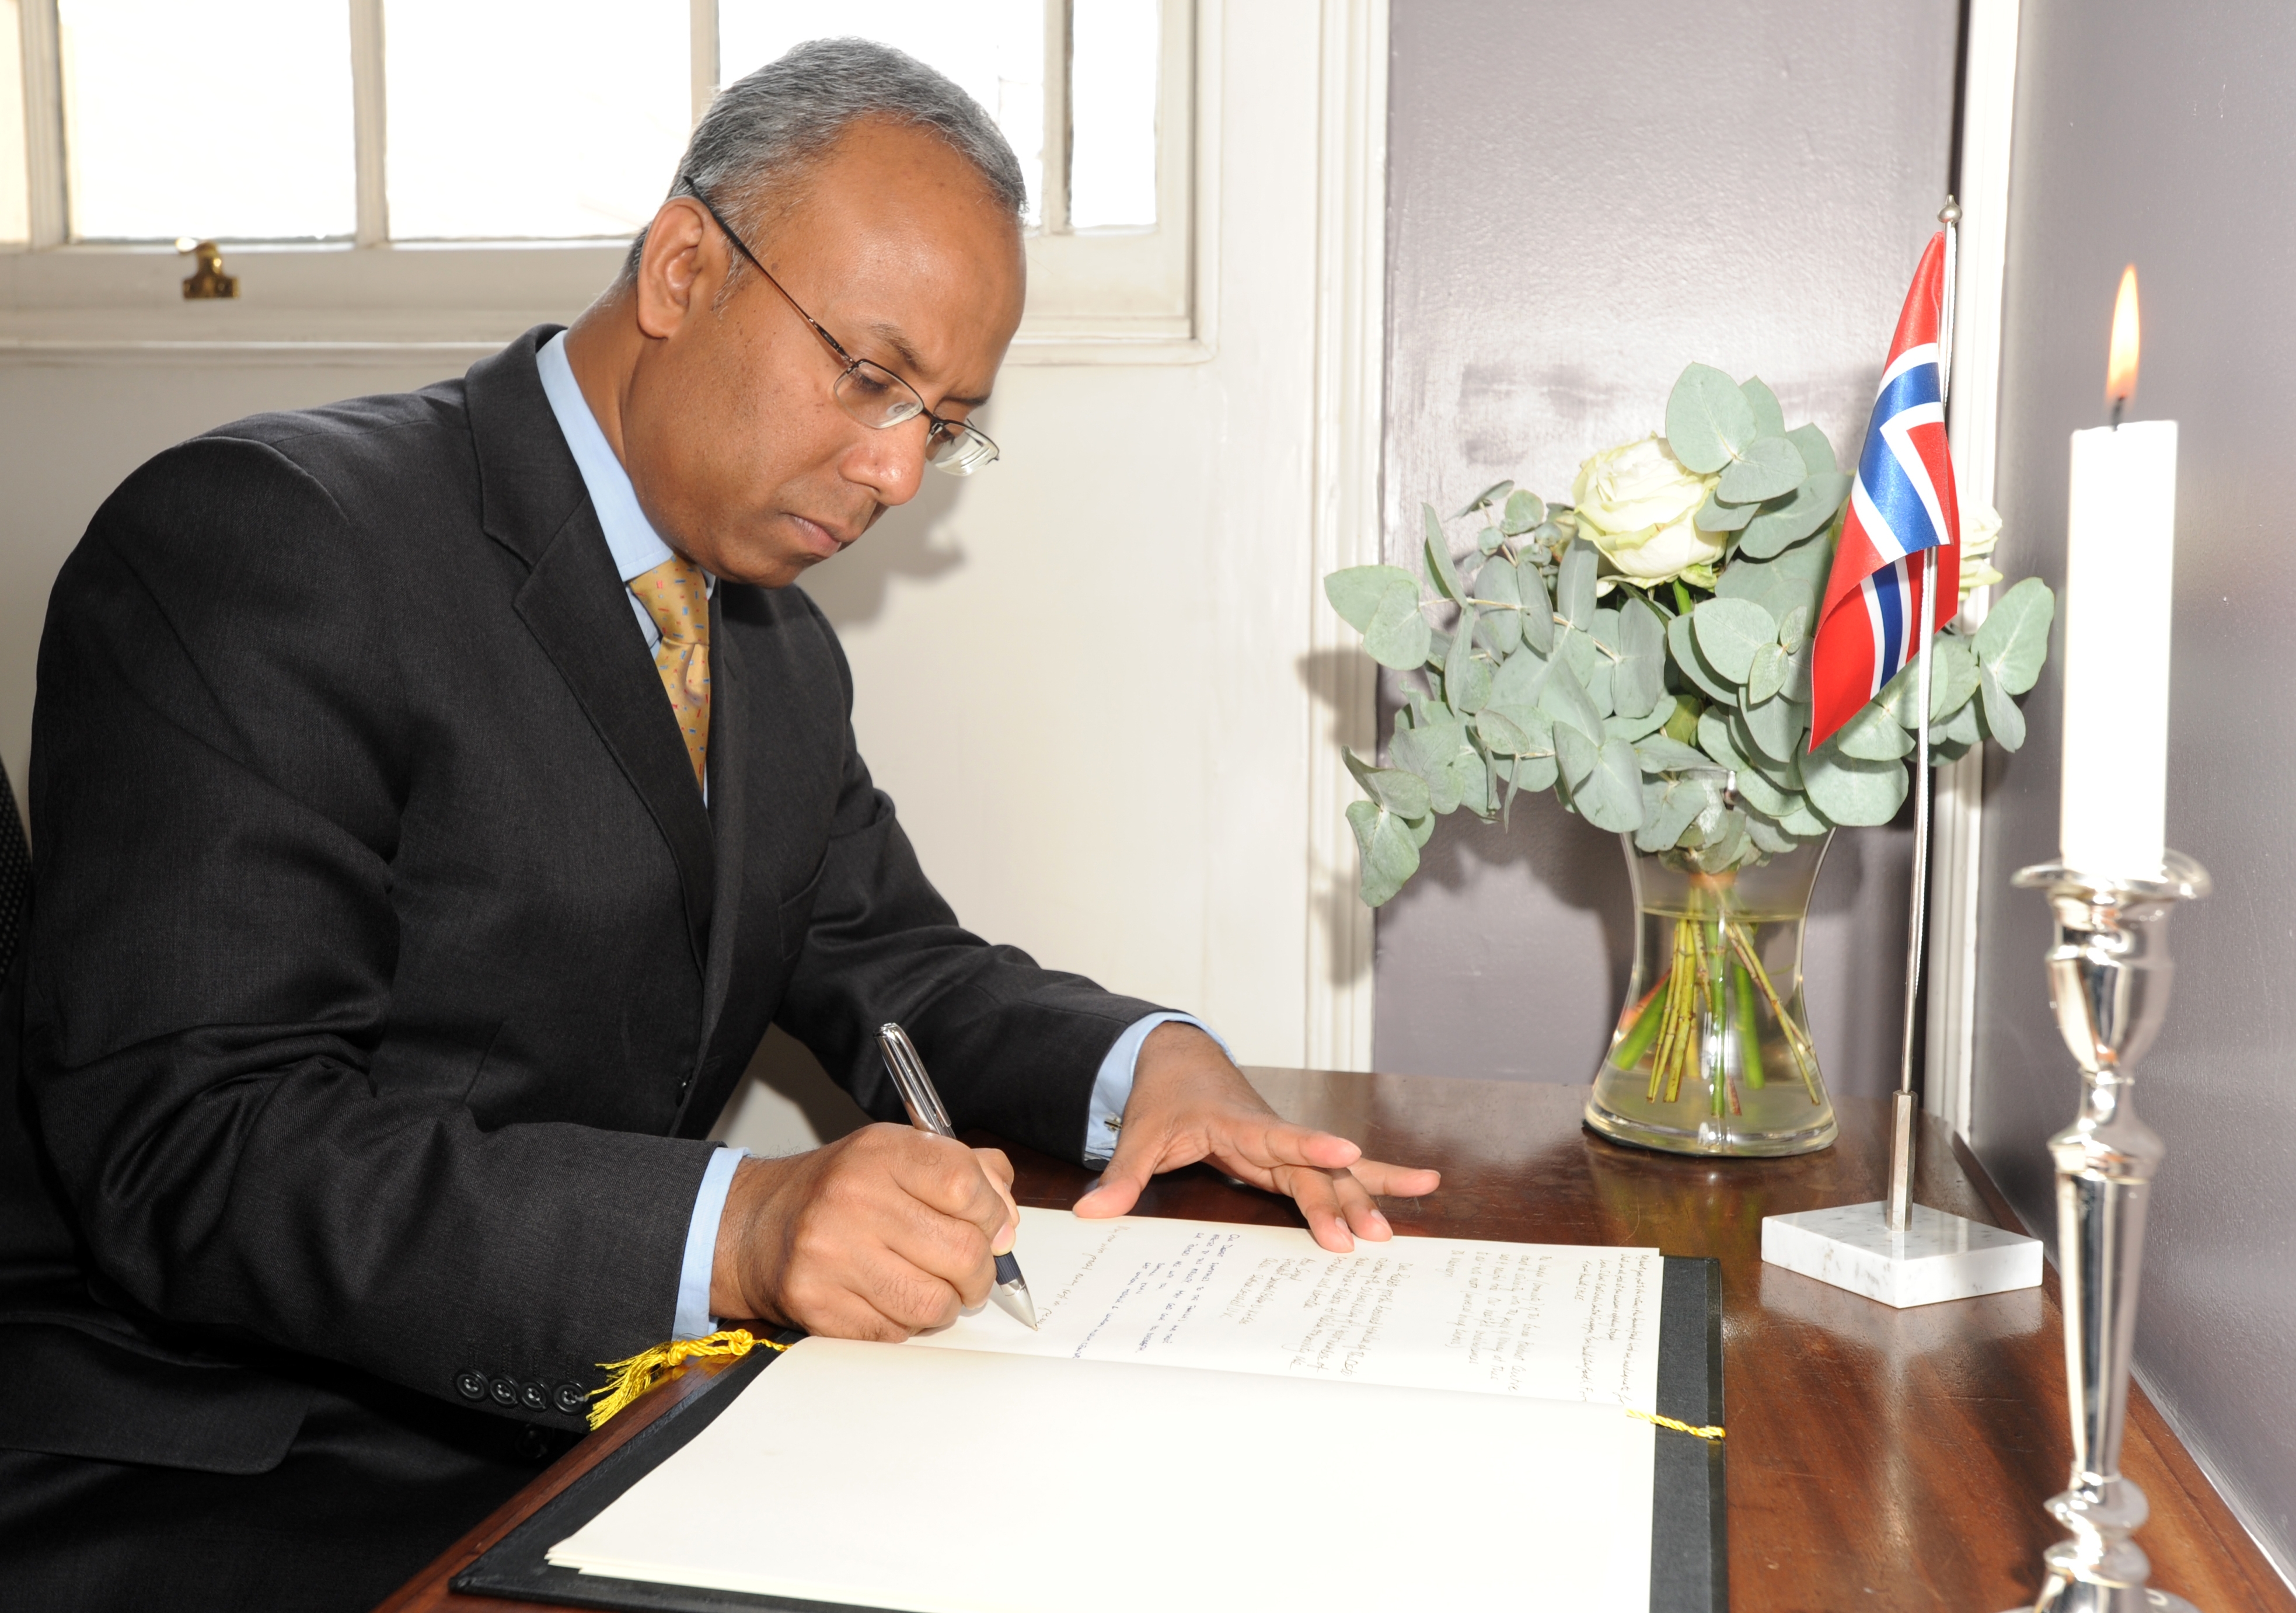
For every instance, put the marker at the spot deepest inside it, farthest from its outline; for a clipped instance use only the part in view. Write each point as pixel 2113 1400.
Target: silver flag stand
pixel 1894 1250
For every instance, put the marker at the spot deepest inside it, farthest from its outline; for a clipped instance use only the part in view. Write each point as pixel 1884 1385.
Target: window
pixel 298 128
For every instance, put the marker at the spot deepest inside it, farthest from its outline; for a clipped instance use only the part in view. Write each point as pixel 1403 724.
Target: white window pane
pixel 15 201
pixel 180 122
pixel 994 49
pixel 510 119
pixel 1113 47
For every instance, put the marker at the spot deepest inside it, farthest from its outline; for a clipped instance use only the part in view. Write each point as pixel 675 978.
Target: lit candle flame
pixel 2121 369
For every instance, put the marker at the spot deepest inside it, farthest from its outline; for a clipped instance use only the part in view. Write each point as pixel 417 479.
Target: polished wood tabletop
pixel 1877 1458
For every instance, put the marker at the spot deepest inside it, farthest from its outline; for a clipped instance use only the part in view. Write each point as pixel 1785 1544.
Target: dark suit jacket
pixel 388 968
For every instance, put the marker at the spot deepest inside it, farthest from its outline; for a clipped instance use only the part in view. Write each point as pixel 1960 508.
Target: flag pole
pixel 1902 1117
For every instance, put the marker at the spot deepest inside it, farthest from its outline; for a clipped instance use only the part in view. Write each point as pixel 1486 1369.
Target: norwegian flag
pixel 1901 503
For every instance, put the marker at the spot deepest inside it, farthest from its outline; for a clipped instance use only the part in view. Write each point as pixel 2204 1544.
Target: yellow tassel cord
pixel 634 1377
pixel 1711 1431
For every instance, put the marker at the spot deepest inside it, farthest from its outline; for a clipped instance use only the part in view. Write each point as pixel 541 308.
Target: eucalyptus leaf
pixel 1659 754
pixel 1683 642
pixel 1393 788
pixel 1502 621
pixel 1533 773
pixel 1816 452
pixel 1577 754
pixel 1577 651
pixel 1804 821
pixel 2003 721
pixel 1768 836
pixel 1490 538
pixel 1518 679
pixel 1428 752
pixel 1467 676
pixel 1631 728
pixel 1357 593
pixel 1422 829
pixel 1708 423
pixel 1961 728
pixel 1769 419
pixel 1565 699
pixel 1872 734
pixel 1523 512
pixel 1796 687
pixel 1727 844
pixel 1599 677
pixel 1786 774
pixel 1715 516
pixel 1852 792
pixel 1437 557
pixel 1953 675
pixel 1787 521
pixel 2014 638
pixel 1398 636
pixel 1663 825
pixel 1391 856
pixel 1766 675
pixel 1763 795
pixel 1611 797
pixel 1729 632
pixel 1500 733
pixel 1497 489
pixel 1769 468
pixel 1538 607
pixel 1776 726
pixel 1794 629
pixel 1535 729
pixel 1715 740
pixel 1471 776
pixel 1574 585
pixel 1639 679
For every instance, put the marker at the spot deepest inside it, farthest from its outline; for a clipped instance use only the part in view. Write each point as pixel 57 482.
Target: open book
pixel 1213 1416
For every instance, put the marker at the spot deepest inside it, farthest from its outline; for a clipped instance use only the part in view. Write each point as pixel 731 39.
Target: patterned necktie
pixel 674 595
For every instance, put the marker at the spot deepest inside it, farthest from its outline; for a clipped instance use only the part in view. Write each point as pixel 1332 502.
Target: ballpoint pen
pixel 927 1113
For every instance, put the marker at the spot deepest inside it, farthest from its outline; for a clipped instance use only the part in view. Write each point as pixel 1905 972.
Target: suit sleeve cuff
pixel 1112 1087
pixel 693 1319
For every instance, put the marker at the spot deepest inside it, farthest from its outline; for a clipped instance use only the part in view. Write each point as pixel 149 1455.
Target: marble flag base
pixel 1937 1257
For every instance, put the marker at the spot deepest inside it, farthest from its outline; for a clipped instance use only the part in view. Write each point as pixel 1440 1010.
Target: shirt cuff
pixel 693 1319
pixel 1113 1085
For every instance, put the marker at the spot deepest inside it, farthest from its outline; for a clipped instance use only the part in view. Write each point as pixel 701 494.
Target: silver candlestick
pixel 2109 976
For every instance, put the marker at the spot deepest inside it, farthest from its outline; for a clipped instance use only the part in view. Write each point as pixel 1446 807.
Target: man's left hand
pixel 1189 1103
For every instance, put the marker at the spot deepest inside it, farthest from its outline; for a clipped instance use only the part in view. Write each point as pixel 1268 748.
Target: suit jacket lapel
pixel 577 608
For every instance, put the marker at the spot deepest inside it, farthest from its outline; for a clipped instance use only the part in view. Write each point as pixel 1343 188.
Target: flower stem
pixel 1749 1045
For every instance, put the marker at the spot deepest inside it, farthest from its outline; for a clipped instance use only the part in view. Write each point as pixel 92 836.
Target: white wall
pixel 1084 676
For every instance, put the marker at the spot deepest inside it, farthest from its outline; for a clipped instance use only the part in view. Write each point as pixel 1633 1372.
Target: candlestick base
pixel 1937 1257
pixel 2055 1598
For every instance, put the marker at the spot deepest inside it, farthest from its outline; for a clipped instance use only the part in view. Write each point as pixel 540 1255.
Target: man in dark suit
pixel 434 798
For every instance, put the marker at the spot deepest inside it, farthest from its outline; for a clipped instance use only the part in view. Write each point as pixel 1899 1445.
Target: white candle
pixel 2120 532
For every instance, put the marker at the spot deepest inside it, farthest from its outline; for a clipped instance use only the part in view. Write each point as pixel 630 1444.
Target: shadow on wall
pixel 913 541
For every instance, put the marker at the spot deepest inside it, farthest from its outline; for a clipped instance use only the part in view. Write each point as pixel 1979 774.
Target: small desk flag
pixel 1901 503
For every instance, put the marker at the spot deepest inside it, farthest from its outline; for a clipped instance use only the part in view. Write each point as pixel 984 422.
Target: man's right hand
pixel 878 1235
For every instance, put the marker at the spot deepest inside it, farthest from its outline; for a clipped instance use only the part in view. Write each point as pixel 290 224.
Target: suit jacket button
pixel 504 1391
pixel 534 1396
pixel 470 1385
pixel 572 1400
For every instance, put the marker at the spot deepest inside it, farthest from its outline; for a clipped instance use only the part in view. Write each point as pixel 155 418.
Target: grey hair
pixel 766 131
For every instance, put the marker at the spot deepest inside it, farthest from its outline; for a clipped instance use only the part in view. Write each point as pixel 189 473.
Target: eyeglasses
pixel 869 392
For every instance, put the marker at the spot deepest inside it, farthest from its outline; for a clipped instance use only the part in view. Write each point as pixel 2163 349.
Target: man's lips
pixel 823 538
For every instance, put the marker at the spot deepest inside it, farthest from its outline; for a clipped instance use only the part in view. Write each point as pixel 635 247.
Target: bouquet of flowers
pixel 1644 652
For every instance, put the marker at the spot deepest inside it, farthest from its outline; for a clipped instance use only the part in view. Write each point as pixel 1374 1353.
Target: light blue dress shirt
pixel 637 549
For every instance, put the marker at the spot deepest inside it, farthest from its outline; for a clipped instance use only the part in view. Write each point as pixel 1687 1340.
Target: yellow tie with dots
pixel 675 597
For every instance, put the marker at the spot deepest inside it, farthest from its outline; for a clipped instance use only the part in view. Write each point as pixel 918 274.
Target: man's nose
pixel 890 463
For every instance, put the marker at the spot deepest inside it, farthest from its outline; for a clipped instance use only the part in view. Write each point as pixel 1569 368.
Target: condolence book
pixel 1213 1416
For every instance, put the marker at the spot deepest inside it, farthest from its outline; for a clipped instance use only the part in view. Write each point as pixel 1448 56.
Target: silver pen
pixel 927 1113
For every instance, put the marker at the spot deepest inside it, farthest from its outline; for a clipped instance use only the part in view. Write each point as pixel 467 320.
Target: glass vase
pixel 1712 1053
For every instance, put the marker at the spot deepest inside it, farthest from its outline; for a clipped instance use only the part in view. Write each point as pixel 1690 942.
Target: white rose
pixel 1636 503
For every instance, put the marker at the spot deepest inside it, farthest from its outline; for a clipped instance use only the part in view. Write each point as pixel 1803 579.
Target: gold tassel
pixel 1711 1431
pixel 634 1377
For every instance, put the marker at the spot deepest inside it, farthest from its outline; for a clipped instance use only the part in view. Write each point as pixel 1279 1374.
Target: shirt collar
pixel 637 549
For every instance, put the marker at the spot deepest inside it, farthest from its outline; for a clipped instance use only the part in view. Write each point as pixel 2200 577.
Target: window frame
pixel 1093 296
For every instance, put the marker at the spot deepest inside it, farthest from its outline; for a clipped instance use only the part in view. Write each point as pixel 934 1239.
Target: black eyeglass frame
pixel 954 431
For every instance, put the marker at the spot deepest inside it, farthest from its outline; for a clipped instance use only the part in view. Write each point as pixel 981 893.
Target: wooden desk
pixel 1878 1459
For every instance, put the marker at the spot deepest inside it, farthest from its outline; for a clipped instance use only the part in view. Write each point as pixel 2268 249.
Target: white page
pixel 1558 1322
pixel 950 1481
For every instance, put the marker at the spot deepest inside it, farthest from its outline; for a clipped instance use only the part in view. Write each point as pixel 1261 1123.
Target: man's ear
pixel 684 263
